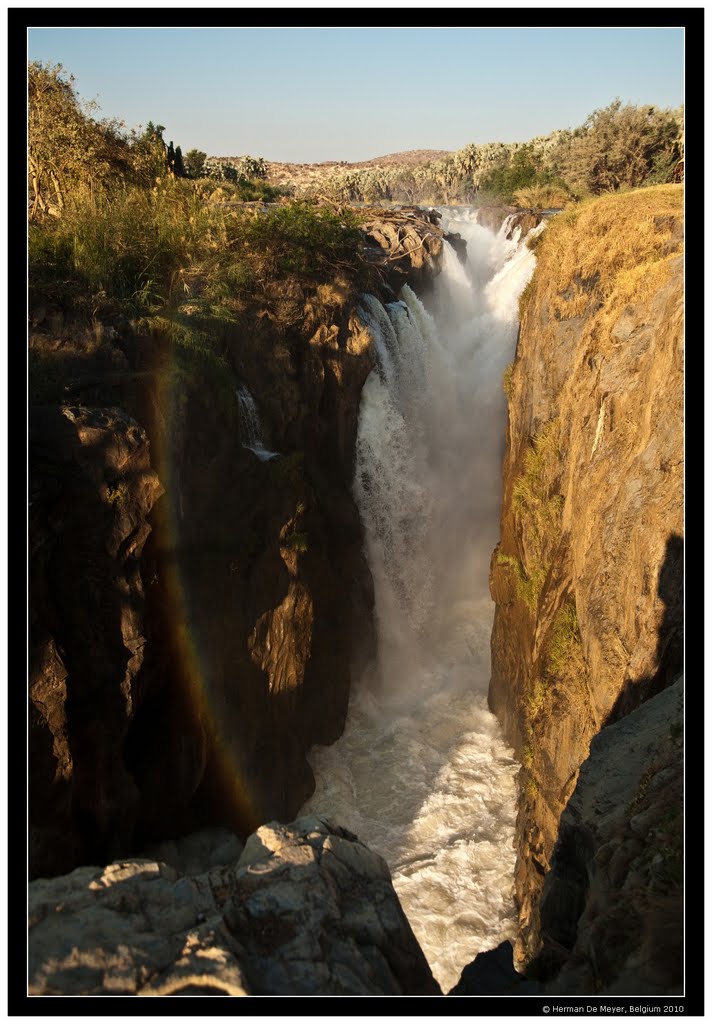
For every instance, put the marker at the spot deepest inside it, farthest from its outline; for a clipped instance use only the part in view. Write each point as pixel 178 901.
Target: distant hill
pixel 409 157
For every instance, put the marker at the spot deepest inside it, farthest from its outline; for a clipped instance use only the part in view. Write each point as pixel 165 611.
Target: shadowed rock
pixel 306 910
pixel 493 974
pixel 612 902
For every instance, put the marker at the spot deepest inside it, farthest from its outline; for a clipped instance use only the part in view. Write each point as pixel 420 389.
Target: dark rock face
pixel 186 656
pixel 257 595
pixel 493 974
pixel 306 910
pixel 587 578
pixel 92 489
pixel 611 910
pixel 261 596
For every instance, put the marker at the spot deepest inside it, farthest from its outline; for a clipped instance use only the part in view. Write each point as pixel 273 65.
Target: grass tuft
pixel 607 252
pixel 564 647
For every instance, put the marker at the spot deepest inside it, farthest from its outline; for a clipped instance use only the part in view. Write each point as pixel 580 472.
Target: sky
pixel 311 94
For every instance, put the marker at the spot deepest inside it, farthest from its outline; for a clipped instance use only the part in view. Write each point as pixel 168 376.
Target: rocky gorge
pixel 233 610
pixel 236 606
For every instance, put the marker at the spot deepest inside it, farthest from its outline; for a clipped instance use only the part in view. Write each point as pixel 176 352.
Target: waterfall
pixel 250 426
pixel 421 773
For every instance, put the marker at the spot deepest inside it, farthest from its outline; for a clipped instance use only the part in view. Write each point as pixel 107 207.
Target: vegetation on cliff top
pixel 122 235
pixel 117 239
pixel 619 146
pixel 607 252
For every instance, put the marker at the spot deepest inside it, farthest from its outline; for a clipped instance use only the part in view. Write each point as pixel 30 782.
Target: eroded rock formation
pixel 306 910
pixel 408 243
pixel 493 217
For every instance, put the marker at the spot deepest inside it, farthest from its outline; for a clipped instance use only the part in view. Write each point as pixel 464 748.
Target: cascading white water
pixel 421 773
pixel 250 427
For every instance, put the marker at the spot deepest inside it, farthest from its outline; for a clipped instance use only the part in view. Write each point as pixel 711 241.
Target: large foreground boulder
pixel 306 910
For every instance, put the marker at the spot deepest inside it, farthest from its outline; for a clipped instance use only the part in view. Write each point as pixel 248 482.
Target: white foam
pixel 421 773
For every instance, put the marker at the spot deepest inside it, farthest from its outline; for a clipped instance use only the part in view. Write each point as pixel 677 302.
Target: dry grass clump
pixel 564 649
pixel 533 497
pixel 560 682
pixel 542 197
pixel 528 584
pixel 608 252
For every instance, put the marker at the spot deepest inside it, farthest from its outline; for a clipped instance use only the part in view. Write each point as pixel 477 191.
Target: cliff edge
pixel 587 577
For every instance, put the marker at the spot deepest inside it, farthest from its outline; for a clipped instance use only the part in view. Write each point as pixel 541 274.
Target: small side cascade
pixel 250 426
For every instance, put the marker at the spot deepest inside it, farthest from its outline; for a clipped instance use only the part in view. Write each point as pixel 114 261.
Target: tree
pixel 68 151
pixel 195 163
pixel 155 131
pixel 621 146
pixel 150 153
pixel 253 167
pixel 230 173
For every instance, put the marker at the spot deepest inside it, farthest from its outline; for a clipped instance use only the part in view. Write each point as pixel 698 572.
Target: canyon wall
pixel 198 601
pixel 587 577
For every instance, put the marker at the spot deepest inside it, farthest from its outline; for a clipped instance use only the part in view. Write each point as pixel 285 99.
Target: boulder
pixel 306 910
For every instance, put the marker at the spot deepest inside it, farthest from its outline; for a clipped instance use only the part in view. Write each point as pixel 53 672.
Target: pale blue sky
pixel 352 94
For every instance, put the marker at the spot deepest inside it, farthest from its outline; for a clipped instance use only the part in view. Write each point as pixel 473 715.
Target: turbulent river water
pixel 421 773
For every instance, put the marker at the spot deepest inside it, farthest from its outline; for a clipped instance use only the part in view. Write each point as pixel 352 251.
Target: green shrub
pixel 563 663
pixel 171 256
pixel 520 171
pixel 530 785
pixel 621 146
pixel 527 293
pixel 539 513
pixel 117 494
pixel 303 239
